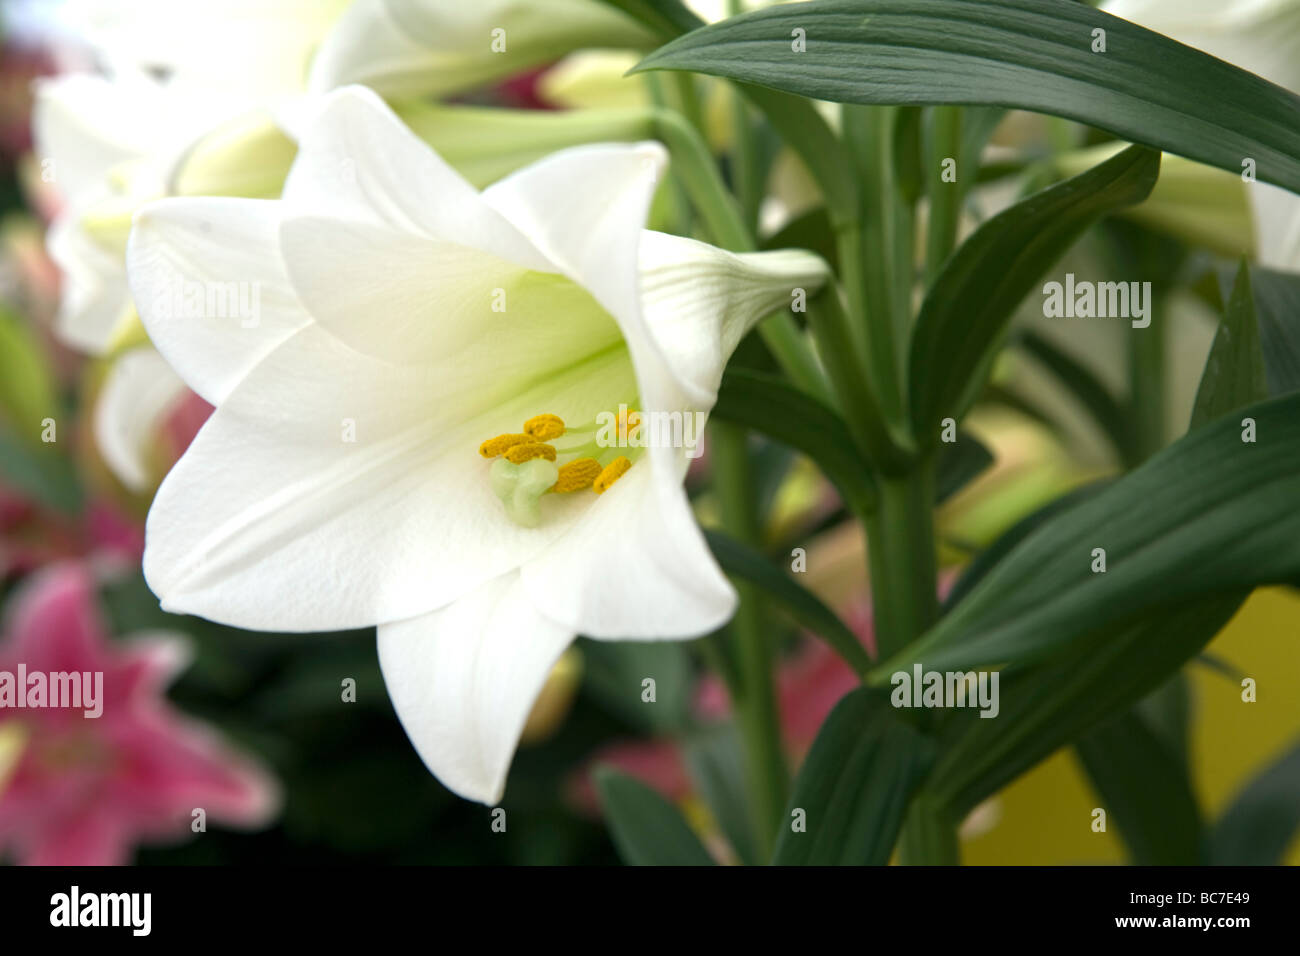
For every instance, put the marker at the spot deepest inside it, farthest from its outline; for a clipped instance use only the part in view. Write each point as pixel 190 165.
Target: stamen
pixel 522 453
pixel 501 444
pixel 577 475
pixel 544 427
pixel 612 472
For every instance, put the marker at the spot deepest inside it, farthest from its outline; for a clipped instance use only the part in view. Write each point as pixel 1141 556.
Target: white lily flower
pixel 432 47
pixel 1262 36
pixel 405 319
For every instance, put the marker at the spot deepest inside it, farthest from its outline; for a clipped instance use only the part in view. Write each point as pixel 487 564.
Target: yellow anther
pixel 577 475
pixel 501 444
pixel 611 473
pixel 544 427
pixel 518 454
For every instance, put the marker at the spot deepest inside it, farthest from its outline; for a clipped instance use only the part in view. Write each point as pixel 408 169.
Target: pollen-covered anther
pixel 526 452
pixel 544 427
pixel 577 475
pixel 611 473
pixel 503 443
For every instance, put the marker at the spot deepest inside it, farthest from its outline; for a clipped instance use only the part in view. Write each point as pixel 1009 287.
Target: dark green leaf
pixel 614 670
pixel 854 786
pixel 812 231
pixel 1234 370
pixel 768 404
pixel 1208 515
pixel 968 309
pixel 1022 54
pixel 749 565
pixel 960 463
pixel 1277 307
pixel 717 766
pixel 1048 705
pixel 1262 820
pixel 40 471
pixel 1145 791
pixel 1086 388
pixel 666 17
pixel 646 828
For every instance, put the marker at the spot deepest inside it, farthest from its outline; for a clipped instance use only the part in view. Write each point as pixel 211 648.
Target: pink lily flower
pixel 83 790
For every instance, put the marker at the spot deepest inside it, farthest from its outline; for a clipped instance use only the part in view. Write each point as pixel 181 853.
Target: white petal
pixel 463 680
pixel 86 125
pixel 357 161
pixel 139 391
pixel 221 255
pixel 698 302
pixel 432 47
pixel 634 566
pixel 274 520
pixel 93 297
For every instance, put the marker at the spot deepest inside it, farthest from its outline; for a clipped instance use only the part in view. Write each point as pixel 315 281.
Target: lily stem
pixel 755 705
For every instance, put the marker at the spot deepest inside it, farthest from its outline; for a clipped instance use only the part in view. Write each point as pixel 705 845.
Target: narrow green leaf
pixel 1049 705
pixel 28 393
pixel 854 787
pixel 1023 54
pixel 666 17
pixel 770 405
pixel 613 671
pixel 1262 820
pixel 1211 514
pixel 1086 388
pixel 1234 370
pixel 806 608
pixel 960 463
pixel 1145 790
pixel 969 308
pixel 645 827
pixel 1277 307
pixel 715 759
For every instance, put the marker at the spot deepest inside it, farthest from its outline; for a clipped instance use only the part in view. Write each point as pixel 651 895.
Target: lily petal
pixel 140 390
pixel 463 680
pixel 226 253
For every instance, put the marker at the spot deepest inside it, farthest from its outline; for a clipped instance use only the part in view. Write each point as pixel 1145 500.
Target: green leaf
pixel 810 230
pixel 959 463
pixel 1262 820
pixel 613 671
pixel 768 404
pixel 1049 705
pixel 1234 370
pixel 1208 515
pixel 1145 790
pixel 854 786
pixel 1086 388
pixel 968 309
pixel 27 389
pixel 666 17
pixel 1277 307
pixel 717 767
pixel 749 565
pixel 646 828
pixel 40 471
pixel 1022 54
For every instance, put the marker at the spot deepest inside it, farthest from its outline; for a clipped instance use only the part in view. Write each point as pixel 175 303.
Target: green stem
pixel 756 708
pixel 900 539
